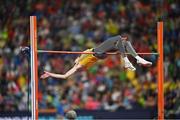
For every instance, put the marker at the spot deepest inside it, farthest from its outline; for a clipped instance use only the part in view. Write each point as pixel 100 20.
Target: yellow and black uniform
pixel 112 44
pixel 87 60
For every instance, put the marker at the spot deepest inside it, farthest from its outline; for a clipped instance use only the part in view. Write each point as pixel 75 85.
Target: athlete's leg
pixel 129 48
pixel 127 63
pixel 120 46
pixel 132 51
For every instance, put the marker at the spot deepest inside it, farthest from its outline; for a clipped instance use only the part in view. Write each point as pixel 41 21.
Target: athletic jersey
pixel 87 60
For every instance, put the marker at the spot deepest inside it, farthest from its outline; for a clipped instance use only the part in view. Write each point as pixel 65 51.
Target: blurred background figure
pixel 71 115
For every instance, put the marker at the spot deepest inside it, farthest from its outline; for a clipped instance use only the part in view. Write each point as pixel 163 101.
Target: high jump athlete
pixel 113 44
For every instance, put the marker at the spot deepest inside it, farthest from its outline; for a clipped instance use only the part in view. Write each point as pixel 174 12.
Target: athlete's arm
pixel 49 74
pixel 62 76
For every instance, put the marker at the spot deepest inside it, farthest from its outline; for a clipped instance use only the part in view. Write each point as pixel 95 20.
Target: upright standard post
pixel 160 72
pixel 34 66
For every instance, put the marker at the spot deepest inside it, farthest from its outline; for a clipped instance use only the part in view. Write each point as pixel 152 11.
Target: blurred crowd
pixel 76 25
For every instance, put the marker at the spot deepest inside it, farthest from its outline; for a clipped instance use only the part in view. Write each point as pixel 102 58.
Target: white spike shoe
pixel 129 66
pixel 143 62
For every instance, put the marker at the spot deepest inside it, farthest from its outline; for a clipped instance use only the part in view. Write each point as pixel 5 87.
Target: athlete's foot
pixel 129 66
pixel 143 62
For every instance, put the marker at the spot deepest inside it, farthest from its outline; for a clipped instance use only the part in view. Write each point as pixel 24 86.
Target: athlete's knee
pixel 124 37
pixel 118 36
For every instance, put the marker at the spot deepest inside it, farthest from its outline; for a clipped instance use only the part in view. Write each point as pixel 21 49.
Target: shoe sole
pixel 145 65
pixel 129 69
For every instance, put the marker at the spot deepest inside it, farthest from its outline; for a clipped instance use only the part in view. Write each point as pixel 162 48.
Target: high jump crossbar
pixel 79 52
pixel 34 66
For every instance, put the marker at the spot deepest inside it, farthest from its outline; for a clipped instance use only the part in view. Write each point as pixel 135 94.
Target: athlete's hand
pixel 45 75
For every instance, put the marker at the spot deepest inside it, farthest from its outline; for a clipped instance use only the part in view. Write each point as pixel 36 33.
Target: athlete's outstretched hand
pixel 45 75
